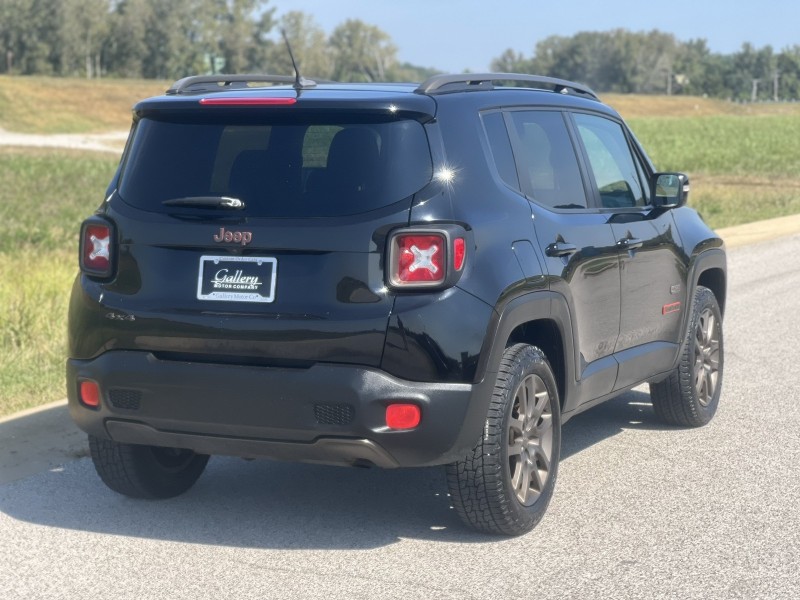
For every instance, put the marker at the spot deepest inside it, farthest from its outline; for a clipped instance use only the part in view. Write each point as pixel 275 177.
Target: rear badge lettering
pixel 236 237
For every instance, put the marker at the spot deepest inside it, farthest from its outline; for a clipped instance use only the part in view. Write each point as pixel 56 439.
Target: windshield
pixel 296 169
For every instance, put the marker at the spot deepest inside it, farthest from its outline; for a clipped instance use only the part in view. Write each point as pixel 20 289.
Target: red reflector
pixel 90 394
pixel 247 101
pixel 96 255
pixel 670 308
pixel 419 259
pixel 459 253
pixel 402 416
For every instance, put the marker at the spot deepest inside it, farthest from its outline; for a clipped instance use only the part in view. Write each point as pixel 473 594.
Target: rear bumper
pixel 333 414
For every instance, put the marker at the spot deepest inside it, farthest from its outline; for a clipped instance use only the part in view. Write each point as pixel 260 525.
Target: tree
pixel 238 34
pixel 33 40
pixel 83 30
pixel 788 65
pixel 362 52
pixel 309 46
pixel 127 49
pixel 511 62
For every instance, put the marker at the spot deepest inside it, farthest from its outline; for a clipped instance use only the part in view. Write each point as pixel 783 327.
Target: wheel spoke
pixel 707 356
pixel 515 447
pixel 539 479
pixel 544 425
pixel 530 439
pixel 516 426
pixel 542 402
pixel 530 398
pixel 543 460
pixel 710 327
pixel 713 359
pixel 524 482
pixel 699 381
pixel 709 385
pixel 516 475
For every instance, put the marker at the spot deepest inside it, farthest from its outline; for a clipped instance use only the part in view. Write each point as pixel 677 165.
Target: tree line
pixel 657 63
pixel 169 39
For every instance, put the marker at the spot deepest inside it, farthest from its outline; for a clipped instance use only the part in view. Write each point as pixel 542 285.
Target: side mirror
pixel 670 190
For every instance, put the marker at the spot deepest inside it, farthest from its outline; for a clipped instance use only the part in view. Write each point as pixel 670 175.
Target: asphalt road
pixel 640 510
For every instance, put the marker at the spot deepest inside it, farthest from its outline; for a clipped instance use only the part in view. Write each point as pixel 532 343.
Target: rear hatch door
pixel 258 236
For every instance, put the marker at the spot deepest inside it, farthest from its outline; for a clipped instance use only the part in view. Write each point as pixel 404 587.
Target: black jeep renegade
pixel 385 274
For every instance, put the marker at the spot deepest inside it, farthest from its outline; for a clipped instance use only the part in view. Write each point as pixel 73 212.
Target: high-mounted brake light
pixel 247 101
pixel 97 247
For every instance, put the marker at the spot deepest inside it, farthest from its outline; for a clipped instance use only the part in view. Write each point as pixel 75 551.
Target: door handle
pixel 630 243
pixel 560 249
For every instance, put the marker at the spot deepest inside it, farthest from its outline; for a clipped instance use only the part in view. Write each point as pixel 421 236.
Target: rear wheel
pixel 505 484
pixel 145 471
pixel 690 395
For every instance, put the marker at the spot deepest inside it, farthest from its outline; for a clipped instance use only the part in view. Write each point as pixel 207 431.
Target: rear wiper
pixel 206 202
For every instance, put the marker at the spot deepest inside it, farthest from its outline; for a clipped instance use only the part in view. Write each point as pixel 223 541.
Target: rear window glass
pixel 277 169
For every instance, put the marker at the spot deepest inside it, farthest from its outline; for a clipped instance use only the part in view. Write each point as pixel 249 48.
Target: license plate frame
pixel 237 278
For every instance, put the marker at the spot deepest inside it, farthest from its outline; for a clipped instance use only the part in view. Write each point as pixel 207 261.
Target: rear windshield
pixel 321 168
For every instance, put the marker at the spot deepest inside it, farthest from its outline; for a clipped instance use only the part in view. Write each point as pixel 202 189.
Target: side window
pixel 612 164
pixel 500 146
pixel 549 168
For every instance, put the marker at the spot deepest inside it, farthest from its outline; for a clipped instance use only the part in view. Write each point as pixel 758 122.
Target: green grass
pixel 742 168
pixel 44 196
pixel 721 145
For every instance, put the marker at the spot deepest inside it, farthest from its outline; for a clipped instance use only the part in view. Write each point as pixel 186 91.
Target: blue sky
pixel 453 35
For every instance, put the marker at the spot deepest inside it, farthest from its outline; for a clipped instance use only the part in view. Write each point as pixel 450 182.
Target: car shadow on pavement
pixel 632 410
pixel 266 504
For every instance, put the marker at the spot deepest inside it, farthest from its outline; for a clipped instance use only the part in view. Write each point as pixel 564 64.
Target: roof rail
pixel 220 83
pixel 484 81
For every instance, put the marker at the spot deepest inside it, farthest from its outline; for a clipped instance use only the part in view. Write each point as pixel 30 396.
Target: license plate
pixel 237 278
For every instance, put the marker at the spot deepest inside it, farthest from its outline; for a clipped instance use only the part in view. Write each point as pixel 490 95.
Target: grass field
pixel 744 163
pixel 44 196
pixel 742 168
pixel 61 105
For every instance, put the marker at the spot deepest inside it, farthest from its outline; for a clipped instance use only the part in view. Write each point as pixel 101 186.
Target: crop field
pixel 742 168
pixel 743 161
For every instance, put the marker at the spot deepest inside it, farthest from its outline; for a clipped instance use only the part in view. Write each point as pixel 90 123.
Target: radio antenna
pixel 300 82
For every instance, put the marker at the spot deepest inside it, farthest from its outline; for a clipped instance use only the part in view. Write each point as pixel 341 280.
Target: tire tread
pixel 674 399
pixel 475 483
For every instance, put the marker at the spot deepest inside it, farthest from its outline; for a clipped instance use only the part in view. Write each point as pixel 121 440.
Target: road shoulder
pixel 39 439
pixel 760 231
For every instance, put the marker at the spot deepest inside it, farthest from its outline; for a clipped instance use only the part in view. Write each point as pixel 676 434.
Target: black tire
pixel 145 471
pixel 690 395
pixel 488 487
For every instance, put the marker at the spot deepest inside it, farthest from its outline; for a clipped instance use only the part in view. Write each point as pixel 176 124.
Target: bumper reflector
pixel 90 394
pixel 402 416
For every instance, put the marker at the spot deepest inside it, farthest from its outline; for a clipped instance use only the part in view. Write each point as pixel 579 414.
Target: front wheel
pixel 505 484
pixel 690 395
pixel 145 471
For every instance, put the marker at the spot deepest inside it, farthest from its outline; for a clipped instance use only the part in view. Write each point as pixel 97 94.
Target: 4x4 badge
pixel 237 237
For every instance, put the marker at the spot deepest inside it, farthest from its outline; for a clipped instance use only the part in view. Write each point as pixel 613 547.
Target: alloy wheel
pixel 530 439
pixel 706 356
